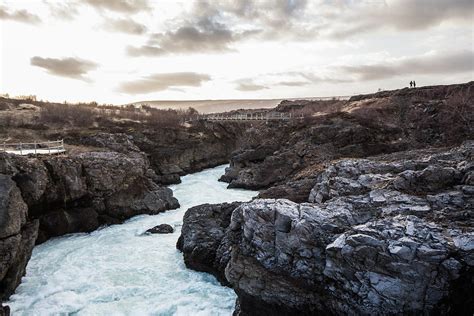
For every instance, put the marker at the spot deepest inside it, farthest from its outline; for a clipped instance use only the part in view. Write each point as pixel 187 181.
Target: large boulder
pixel 161 229
pixel 201 239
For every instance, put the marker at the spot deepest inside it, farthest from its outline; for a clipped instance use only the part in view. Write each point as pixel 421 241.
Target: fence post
pixel 49 148
pixel 21 151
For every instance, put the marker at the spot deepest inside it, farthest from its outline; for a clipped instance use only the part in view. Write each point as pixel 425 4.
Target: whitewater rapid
pixel 118 271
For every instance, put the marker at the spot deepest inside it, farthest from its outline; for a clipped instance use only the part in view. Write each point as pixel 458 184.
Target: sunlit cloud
pixel 122 6
pixel 163 81
pixel 127 25
pixel 74 68
pixel 22 16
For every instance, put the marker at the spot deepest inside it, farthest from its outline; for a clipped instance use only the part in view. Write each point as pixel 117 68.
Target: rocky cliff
pixel 172 152
pixel 392 234
pixel 277 154
pixel 53 196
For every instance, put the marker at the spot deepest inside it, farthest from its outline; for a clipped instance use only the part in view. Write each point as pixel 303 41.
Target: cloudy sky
pixel 119 51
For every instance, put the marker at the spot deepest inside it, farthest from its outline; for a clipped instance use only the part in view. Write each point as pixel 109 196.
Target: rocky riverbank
pixel 392 234
pixel 47 197
pixel 362 206
pixel 390 121
pixel 171 152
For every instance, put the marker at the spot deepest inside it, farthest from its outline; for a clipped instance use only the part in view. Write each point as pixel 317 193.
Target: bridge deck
pixel 270 116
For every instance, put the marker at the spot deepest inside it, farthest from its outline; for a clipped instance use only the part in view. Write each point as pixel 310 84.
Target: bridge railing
pixel 35 148
pixel 250 116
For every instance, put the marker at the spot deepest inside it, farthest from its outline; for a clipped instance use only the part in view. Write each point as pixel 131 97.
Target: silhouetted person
pixel 411 84
pixel 414 84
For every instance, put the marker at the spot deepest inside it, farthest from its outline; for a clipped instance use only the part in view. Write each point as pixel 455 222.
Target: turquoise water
pixel 118 271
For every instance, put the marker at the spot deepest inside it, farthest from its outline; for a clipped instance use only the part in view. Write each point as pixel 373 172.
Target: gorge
pixel 120 270
pixel 364 206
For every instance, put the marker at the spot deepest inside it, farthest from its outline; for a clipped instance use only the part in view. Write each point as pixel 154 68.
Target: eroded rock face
pixel 53 196
pixel 296 190
pixel 82 192
pixel 176 152
pixel 387 235
pixel 201 240
pixel 363 126
pixel 17 236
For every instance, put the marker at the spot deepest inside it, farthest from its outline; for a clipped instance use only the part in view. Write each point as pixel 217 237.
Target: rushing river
pixel 118 271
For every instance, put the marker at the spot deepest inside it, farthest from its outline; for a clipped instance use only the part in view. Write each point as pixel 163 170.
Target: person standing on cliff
pixel 411 84
pixel 414 84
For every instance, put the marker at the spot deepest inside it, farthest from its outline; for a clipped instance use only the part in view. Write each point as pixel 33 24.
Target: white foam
pixel 118 271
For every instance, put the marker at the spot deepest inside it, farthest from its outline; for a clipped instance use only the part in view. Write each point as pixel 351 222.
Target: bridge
pixel 250 116
pixel 35 148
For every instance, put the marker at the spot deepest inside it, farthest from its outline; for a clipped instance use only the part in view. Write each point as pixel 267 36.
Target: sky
pixel 121 51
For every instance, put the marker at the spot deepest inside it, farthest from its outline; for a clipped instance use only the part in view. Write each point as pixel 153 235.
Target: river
pixel 117 270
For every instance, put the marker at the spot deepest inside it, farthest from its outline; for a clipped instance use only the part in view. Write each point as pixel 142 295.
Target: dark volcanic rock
pixel 17 236
pixel 385 122
pixel 4 310
pixel 19 258
pixel 53 196
pixel 82 192
pixel 161 229
pixel 202 235
pixel 13 211
pixel 174 152
pixel 295 190
pixel 393 234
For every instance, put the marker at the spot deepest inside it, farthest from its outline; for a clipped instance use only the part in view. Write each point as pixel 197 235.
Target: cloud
pixel 127 26
pixel 288 79
pixel 293 83
pixel 122 6
pixel 63 10
pixel 205 36
pixel 66 67
pixel 163 81
pixel 249 85
pixel 22 16
pixel 217 26
pixel 351 19
pixel 449 63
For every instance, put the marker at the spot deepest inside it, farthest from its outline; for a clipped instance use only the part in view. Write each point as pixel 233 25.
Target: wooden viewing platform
pixel 35 148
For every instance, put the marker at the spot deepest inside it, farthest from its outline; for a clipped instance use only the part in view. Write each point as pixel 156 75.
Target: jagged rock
pixel 13 210
pixel 364 126
pixel 82 192
pixel 387 235
pixel 379 265
pixel 161 229
pixel 4 310
pixel 118 142
pixel 17 237
pixel 201 239
pixel 174 152
pixel 19 258
pixel 296 191
pixel 61 222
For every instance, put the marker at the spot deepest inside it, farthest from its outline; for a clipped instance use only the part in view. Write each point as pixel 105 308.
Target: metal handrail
pixel 56 146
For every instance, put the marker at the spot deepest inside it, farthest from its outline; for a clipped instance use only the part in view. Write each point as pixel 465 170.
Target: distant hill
pixel 213 106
